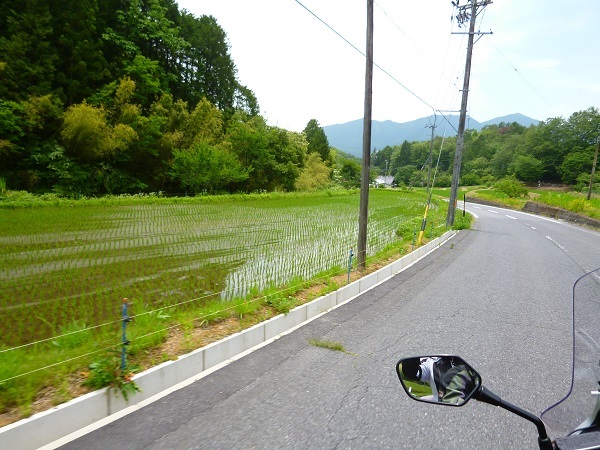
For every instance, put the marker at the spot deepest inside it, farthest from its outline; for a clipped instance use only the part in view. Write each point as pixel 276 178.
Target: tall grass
pixel 572 201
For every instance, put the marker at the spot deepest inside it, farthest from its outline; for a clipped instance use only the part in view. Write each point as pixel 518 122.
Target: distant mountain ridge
pixel 348 136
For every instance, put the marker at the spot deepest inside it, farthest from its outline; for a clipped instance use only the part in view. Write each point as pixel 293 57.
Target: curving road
pixel 498 295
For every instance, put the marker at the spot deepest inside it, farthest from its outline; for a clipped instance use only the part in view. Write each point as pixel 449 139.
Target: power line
pixel 364 55
pixel 332 29
pixel 416 46
pixel 521 75
pixel 442 73
pixel 375 64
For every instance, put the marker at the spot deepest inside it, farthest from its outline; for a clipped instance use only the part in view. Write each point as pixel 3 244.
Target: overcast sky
pixel 542 60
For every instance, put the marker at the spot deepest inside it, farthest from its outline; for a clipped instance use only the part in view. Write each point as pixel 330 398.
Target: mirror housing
pixel 440 379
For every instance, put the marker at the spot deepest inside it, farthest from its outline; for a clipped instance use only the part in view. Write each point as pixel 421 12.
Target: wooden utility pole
pixel 593 168
pixel 361 254
pixel 463 16
pixel 430 159
pixel 429 186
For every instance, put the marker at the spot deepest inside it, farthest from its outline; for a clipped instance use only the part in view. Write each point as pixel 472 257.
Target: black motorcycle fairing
pixel 579 410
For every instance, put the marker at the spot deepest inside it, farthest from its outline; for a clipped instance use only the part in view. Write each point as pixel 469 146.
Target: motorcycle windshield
pixel 572 412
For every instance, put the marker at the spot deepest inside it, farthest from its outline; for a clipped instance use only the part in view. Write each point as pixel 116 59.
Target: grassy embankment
pixel 569 200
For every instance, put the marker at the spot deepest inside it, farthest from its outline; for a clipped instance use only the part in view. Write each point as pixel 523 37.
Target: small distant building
pixel 384 181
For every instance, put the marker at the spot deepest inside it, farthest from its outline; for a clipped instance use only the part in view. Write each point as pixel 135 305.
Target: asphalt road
pixel 498 295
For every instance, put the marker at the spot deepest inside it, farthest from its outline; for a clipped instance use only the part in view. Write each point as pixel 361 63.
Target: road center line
pixel 555 243
pixel 511 217
pixel 492 211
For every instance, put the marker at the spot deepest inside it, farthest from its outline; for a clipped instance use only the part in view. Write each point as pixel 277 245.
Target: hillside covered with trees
pixel 126 96
pixel 554 151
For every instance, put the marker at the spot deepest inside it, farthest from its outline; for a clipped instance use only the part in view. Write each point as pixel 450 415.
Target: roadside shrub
pixel 511 187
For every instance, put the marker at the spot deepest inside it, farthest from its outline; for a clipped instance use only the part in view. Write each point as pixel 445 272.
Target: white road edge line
pixel 128 410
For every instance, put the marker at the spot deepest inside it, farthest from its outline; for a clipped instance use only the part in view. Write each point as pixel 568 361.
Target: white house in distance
pixel 384 181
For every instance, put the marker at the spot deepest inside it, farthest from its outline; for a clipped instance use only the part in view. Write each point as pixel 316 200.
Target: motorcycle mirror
pixel 439 379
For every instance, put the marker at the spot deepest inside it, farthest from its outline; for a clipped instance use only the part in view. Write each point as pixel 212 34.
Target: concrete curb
pixel 45 428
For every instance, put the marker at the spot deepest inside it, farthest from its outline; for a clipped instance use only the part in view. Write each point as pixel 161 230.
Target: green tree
pixel 547 142
pixel 150 79
pixel 245 100
pixel 273 156
pixel 286 153
pixel 404 155
pixel 317 140
pixel 12 129
pixel 314 176
pixel 80 65
pixel 205 123
pixel 144 30
pixel 479 167
pixel 419 153
pixel 527 168
pixel 575 164
pixel 501 160
pixel 511 187
pixel 405 174
pixel 382 159
pixel 207 69
pixel 26 53
pixel 88 137
pixel 350 173
pixel 582 129
pixel 206 168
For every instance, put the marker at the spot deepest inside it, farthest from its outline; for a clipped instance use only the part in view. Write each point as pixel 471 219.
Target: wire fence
pixel 122 318
pixel 181 266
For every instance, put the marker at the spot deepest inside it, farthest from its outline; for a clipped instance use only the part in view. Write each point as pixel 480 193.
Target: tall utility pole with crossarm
pixel 467 12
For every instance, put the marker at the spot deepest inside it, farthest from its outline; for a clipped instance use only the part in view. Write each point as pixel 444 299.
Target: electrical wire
pixel 393 78
pixel 415 45
pixel 364 55
pixel 521 75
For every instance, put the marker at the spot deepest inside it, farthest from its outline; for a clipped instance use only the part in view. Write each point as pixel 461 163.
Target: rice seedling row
pixel 63 287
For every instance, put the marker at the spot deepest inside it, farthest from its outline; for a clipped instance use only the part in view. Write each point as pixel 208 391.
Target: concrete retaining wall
pixel 49 426
pixel 559 213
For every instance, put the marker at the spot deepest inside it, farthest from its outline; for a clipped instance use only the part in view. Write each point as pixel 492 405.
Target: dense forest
pixel 554 151
pixel 127 96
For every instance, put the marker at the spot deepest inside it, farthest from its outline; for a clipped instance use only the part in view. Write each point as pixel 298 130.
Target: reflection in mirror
pixel 442 379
